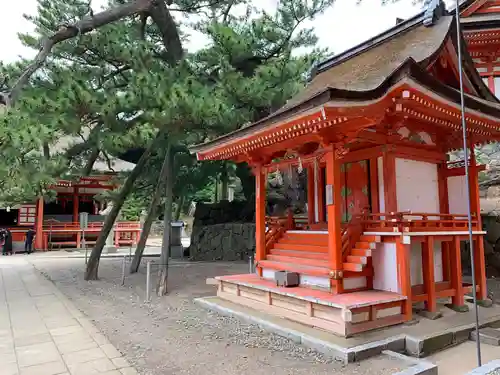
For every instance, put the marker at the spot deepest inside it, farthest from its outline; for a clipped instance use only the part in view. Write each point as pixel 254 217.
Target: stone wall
pixel 223 212
pixel 226 242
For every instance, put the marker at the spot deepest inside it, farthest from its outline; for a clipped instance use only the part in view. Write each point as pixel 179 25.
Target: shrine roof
pixel 367 71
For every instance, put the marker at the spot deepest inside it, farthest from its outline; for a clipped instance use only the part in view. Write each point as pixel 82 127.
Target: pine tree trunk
pixel 162 284
pixel 95 256
pixel 134 267
pixel 178 209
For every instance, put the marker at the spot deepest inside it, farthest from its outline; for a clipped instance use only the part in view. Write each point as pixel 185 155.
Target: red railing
pixel 351 232
pixel 417 222
pixel 276 226
pixel 70 233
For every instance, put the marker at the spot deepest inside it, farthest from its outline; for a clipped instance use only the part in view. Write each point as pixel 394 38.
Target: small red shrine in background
pixel 386 207
pixel 57 223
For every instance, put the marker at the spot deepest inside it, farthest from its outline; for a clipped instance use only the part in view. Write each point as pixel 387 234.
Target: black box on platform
pixel 286 279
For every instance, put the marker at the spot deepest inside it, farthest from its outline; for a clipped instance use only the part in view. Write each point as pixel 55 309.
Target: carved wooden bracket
pixel 340 151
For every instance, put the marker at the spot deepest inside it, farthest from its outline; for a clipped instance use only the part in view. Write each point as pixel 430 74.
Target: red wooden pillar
pixel 457 300
pixel 334 209
pixel 480 269
pixel 39 245
pixel 321 195
pixel 389 167
pixel 76 203
pixel 403 261
pixel 260 216
pixel 310 194
pixel 428 273
pixel 480 262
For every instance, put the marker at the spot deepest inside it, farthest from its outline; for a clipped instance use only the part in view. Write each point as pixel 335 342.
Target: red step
pixel 306 270
pixel 300 247
pixel 357 259
pixel 365 238
pixel 299 261
pixel 365 245
pixel 361 252
pixel 321 239
pixel 353 267
pixel 299 254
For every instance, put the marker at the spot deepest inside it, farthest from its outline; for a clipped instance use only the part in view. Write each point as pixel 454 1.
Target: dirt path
pixel 171 335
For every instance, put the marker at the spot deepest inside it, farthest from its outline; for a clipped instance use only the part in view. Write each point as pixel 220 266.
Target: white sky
pixel 342 26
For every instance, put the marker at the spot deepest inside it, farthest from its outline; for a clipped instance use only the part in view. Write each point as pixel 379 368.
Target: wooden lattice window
pixel 27 215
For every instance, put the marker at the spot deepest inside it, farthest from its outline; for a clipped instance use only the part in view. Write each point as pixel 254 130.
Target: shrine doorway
pixel 356 190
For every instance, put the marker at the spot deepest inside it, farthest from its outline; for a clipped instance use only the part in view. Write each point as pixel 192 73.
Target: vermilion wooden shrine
pixel 57 223
pixel 386 207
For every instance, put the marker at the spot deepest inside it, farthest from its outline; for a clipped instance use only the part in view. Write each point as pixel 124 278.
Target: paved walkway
pixel 42 333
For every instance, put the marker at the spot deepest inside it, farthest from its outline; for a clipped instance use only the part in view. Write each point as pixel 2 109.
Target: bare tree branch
pixel 66 32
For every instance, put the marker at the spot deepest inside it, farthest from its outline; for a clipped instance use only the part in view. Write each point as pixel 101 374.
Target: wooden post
pixel 260 216
pixel 456 273
pixel 39 243
pixel 403 262
pixel 474 185
pixel 310 194
pixel 375 201
pixel 428 273
pixel 480 262
pixel 480 269
pixel 75 205
pixel 389 170
pixel 321 195
pixel 333 202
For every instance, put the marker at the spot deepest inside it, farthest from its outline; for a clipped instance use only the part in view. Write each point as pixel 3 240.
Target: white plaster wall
pixel 385 267
pixel 416 275
pixel 457 195
pixel 380 172
pixel 417 186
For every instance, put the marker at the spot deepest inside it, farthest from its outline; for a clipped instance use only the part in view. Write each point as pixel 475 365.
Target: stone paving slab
pixel 42 333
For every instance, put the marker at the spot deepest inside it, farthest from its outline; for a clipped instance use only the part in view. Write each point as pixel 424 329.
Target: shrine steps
pixel 343 314
pixel 306 253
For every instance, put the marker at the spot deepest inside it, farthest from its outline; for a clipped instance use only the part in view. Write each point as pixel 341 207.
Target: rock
pixel 492 228
pixel 493 192
pixel 488 248
pixel 493 260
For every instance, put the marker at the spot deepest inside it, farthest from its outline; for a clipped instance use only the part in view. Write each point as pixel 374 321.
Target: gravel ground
pixel 171 335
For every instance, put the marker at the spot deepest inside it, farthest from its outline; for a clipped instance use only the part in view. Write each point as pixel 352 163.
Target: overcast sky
pixel 342 26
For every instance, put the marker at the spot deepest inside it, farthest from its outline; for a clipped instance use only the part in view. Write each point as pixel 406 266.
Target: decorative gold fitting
pixel 336 275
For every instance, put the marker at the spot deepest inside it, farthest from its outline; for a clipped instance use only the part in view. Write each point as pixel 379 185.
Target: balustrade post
pixel 428 273
pixel 403 262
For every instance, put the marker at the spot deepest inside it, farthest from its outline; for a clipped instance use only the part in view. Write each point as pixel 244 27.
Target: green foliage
pixel 113 89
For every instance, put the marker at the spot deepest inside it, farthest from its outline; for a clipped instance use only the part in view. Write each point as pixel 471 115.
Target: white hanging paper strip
pixel 279 177
pixel 300 169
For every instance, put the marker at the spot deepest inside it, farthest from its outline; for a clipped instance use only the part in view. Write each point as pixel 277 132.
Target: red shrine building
pixel 56 222
pixel 387 209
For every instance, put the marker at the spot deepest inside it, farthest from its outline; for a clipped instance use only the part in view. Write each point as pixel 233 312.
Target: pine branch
pixel 157 9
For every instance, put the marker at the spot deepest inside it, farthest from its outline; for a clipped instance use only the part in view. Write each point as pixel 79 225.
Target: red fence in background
pixel 59 234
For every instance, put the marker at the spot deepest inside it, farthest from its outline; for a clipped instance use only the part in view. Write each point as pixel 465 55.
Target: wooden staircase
pixel 306 252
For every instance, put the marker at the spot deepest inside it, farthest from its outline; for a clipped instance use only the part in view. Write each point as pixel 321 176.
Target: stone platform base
pixel 345 314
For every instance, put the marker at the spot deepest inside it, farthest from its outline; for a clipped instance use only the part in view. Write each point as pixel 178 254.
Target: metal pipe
pixel 467 182
pixel 124 262
pixel 148 280
pixel 250 263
